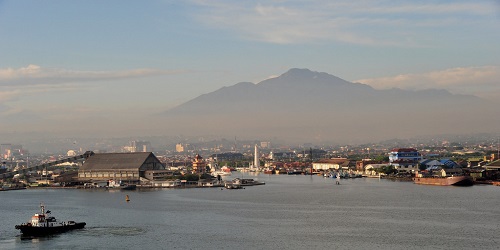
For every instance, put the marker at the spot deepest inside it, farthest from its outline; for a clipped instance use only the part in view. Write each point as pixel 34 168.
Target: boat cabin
pixel 39 220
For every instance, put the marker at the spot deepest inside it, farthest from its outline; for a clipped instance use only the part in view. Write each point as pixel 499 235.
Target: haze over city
pixel 113 68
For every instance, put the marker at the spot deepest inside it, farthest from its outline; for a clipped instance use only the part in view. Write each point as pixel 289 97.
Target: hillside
pixel 313 106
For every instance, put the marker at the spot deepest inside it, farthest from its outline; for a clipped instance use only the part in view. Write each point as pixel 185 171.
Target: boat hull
pixel 128 187
pixel 233 186
pixel 28 230
pixel 446 181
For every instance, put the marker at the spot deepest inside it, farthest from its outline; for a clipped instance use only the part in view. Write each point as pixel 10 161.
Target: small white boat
pixel 221 173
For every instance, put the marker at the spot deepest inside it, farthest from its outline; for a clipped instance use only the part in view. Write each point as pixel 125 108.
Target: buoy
pixel 126 198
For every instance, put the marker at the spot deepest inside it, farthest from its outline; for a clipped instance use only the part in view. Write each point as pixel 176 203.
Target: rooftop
pixel 115 161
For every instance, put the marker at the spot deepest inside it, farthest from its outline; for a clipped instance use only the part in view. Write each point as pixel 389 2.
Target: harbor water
pixel 288 212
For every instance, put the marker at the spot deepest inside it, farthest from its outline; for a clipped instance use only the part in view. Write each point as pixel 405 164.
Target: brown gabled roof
pixel 115 161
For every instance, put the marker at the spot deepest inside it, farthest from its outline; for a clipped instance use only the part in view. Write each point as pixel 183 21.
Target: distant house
pixel 431 164
pixel 361 165
pixel 409 154
pixel 199 165
pixel 447 163
pixel 127 167
pixel 277 156
pixel 453 171
pixel 405 159
pixel 371 169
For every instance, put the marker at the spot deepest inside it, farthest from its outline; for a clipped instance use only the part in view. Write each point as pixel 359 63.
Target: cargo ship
pixel 460 180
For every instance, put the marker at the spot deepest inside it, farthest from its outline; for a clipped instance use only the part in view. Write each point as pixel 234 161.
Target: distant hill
pixel 313 106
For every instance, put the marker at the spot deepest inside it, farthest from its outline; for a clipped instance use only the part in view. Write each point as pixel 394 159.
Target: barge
pixel 459 180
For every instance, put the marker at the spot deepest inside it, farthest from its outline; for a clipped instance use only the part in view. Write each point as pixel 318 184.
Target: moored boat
pixel 268 171
pixel 221 173
pixel 128 187
pixel 231 185
pixel 247 182
pixel 42 224
pixel 121 185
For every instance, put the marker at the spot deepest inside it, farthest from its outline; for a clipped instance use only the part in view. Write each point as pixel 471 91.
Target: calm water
pixel 289 212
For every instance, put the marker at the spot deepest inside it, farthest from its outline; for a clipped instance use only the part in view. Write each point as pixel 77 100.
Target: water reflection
pixel 289 212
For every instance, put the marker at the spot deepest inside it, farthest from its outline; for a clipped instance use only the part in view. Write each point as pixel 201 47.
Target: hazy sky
pixel 81 64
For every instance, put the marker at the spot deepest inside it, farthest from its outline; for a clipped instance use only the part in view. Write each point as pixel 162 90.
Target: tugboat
pixel 42 224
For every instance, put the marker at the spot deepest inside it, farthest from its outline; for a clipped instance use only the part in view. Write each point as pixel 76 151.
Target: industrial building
pixel 126 167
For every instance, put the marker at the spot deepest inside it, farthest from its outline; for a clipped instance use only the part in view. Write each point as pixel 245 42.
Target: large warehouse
pixel 127 167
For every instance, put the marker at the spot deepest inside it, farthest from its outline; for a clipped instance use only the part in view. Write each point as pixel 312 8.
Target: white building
pixel 326 164
pixel 370 169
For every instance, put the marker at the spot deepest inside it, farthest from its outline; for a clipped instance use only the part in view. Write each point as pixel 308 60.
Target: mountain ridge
pixel 303 100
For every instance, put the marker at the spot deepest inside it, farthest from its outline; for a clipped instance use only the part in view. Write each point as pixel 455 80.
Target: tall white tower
pixel 256 163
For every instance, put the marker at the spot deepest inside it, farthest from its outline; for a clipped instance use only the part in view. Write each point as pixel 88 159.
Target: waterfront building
pixel 431 164
pixel 361 165
pixel 405 159
pixel 371 169
pixel 159 175
pixel 199 165
pixel 336 163
pixel 70 177
pixel 129 167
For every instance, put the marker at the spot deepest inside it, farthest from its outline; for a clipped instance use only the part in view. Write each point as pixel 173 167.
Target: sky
pixel 73 66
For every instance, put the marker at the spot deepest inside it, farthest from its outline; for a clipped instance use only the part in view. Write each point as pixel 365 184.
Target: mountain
pixel 314 106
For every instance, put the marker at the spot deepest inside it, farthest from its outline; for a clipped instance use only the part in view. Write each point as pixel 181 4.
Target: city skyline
pixel 70 68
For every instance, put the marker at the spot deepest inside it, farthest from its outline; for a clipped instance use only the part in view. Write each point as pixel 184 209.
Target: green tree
pixel 382 158
pixel 386 170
